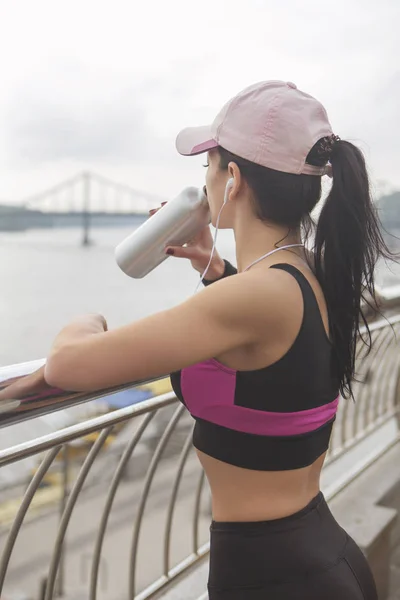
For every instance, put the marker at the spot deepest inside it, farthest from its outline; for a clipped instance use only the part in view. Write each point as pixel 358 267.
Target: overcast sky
pixel 106 85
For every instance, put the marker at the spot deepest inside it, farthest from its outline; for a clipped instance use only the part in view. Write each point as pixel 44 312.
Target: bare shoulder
pixel 258 297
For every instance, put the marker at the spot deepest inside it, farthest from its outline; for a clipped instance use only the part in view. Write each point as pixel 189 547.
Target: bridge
pixel 86 200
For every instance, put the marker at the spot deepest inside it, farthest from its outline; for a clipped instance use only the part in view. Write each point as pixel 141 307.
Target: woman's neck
pixel 255 238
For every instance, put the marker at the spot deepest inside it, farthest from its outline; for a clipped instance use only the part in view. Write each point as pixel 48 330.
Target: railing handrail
pixel 54 399
pixel 86 427
pixel 14 412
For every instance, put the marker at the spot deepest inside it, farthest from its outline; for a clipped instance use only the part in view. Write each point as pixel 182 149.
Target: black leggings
pixel 306 556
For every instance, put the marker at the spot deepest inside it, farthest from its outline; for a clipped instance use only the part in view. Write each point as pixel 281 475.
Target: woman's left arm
pixel 226 315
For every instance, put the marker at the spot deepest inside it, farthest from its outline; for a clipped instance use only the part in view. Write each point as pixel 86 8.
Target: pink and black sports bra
pixel 271 419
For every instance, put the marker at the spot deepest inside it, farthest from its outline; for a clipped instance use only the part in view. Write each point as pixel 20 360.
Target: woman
pixel 259 358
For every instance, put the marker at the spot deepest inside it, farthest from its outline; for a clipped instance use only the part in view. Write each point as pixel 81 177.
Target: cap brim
pixel 195 140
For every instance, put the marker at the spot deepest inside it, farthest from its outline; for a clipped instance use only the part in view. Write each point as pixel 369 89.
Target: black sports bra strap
pixel 311 306
pixel 300 278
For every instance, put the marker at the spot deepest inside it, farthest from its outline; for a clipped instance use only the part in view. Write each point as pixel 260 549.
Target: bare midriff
pixel 245 495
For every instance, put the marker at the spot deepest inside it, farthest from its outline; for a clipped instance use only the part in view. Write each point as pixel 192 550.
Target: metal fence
pixel 157 453
pixel 127 507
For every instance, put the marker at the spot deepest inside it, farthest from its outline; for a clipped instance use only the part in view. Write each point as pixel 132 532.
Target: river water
pixel 48 278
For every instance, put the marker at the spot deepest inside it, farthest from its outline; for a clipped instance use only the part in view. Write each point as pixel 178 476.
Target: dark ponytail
pixel 348 240
pixel 348 243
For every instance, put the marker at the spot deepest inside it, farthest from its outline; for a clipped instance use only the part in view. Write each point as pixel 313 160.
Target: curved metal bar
pixel 143 498
pixel 182 567
pixel 80 429
pixel 80 480
pixel 368 392
pixel 170 513
pixel 344 408
pixel 361 412
pixel 383 322
pixel 346 427
pixel 50 399
pixel 349 423
pixel 380 387
pixel 380 391
pixel 109 502
pixel 368 398
pixel 360 403
pixel 385 384
pixel 391 405
pixel 196 513
pixel 388 403
pixel 374 396
pixel 23 509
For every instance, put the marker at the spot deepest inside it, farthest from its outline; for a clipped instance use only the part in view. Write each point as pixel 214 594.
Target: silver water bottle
pixel 175 224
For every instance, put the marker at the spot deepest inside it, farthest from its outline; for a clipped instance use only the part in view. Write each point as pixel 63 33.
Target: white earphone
pixel 229 185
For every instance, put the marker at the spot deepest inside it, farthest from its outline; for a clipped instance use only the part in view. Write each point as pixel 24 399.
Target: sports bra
pixel 272 419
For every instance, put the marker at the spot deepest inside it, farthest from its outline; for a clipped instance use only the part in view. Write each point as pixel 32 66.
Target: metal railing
pixel 105 487
pixel 131 500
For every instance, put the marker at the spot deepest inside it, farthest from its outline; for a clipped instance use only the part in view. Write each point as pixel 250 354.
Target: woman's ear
pixel 234 173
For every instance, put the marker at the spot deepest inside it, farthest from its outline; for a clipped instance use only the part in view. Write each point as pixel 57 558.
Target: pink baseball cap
pixel 271 123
